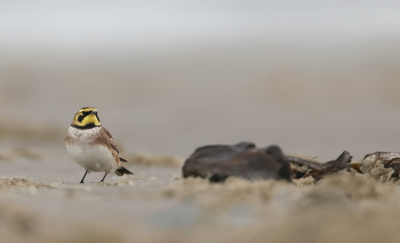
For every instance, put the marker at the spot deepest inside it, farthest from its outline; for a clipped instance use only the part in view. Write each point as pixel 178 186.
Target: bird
pixel 91 146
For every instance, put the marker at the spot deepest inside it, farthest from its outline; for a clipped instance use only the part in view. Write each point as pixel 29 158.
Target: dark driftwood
pixel 217 162
pixel 388 159
pixel 318 170
pixel 303 162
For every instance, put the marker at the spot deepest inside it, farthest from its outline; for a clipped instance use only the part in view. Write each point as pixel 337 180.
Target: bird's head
pixel 86 118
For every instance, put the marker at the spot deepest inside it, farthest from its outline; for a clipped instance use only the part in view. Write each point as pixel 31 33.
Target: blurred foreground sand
pixel 42 201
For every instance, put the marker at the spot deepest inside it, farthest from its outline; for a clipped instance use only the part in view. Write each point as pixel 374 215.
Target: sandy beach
pixel 42 201
pixel 314 78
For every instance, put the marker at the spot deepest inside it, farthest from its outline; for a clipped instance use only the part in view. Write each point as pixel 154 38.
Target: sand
pixel 315 98
pixel 42 201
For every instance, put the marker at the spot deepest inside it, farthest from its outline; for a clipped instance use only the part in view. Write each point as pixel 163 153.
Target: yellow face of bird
pixel 86 118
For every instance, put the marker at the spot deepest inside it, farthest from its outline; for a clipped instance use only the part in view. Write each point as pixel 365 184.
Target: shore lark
pixel 92 146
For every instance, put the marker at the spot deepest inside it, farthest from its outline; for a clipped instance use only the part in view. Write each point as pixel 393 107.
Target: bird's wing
pixel 111 140
pixel 113 145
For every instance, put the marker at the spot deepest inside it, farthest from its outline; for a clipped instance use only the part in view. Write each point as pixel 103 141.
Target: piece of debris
pixel 218 162
pixel 373 167
pixel 302 168
pixel 388 159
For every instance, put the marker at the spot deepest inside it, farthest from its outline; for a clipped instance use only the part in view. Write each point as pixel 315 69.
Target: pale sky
pixel 150 24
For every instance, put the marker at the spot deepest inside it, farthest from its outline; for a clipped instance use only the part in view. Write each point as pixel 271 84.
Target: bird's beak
pixel 93 113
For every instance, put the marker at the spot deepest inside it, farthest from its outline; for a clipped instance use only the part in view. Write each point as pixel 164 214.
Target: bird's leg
pixel 83 177
pixel 102 180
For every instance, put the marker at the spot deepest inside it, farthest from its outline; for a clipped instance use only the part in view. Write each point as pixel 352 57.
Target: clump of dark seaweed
pixel 245 160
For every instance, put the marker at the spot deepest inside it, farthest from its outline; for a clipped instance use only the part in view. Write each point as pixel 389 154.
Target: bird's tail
pixel 122 170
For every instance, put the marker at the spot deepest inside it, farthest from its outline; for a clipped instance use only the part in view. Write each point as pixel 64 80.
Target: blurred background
pixel 315 77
